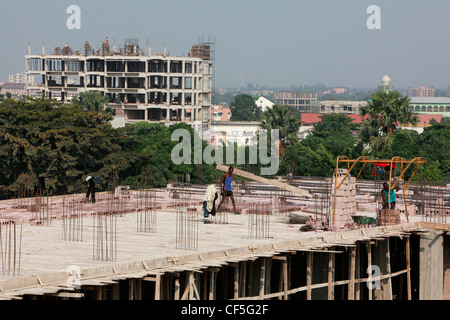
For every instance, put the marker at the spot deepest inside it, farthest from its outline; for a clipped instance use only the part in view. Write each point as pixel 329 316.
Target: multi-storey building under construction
pixel 141 86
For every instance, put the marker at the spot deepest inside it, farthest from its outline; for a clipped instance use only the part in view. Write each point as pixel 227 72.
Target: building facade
pixel 437 105
pixel 337 106
pixel 263 103
pixel 299 100
pixel 422 92
pixel 141 86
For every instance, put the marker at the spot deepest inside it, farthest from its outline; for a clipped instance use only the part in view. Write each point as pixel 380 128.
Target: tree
pixel 334 131
pixel 61 143
pixel 386 110
pixel 284 119
pixel 93 101
pixel 243 108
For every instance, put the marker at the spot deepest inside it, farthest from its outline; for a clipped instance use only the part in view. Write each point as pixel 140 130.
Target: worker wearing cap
pixel 90 189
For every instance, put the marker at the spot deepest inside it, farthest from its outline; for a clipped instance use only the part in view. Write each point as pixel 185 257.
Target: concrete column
pixel 431 261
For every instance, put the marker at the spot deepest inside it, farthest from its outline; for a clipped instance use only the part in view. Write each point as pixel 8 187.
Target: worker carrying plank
pixel 225 187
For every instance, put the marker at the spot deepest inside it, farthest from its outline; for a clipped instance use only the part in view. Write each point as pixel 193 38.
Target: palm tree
pixel 384 113
pixel 285 120
pixel 93 101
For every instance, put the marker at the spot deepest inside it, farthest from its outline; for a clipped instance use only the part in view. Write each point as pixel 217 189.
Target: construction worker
pixel 225 187
pixel 90 189
pixel 385 196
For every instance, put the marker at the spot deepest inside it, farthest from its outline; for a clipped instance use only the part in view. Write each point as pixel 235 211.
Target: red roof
pixel 313 118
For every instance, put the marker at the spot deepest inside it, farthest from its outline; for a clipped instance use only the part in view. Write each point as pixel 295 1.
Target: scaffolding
pixel 392 181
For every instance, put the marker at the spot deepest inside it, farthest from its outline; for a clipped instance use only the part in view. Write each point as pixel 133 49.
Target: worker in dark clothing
pixel 90 189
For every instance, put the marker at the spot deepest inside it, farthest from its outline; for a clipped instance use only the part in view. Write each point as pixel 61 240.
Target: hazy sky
pixel 268 42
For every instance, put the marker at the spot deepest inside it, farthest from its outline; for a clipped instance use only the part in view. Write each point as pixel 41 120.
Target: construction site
pixel 296 238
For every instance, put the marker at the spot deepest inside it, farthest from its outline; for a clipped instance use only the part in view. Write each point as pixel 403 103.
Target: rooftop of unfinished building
pixel 44 251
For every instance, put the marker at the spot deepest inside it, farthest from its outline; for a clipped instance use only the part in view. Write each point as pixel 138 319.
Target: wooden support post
pixel 211 285
pixel 250 279
pixel 262 278
pixel 177 289
pixel 190 285
pixel 236 281
pixel 408 267
pixel 285 279
pixel 369 264
pixel 388 270
pixel 309 264
pixel 130 289
pixel 158 287
pixel 138 289
pixel 331 271
pixel 351 274
pixel 115 291
pixel 357 272
pixel 243 276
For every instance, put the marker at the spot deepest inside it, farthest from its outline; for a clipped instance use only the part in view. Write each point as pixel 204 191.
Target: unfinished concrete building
pixel 141 85
pixel 152 244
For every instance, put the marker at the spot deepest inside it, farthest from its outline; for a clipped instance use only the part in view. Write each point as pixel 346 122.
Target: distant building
pixel 433 106
pixel 385 84
pixel 21 78
pixel 299 100
pixel 422 92
pixel 243 133
pixel 141 86
pixel 16 89
pixel 337 106
pixel 335 91
pixel 263 103
pixel 220 113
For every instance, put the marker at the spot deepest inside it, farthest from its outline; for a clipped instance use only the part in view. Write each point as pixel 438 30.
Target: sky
pixel 271 43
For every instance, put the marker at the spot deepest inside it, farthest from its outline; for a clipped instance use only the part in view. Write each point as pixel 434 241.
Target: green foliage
pixel 93 101
pixel 334 132
pixel 385 111
pixel 154 148
pixel 61 143
pixel 284 119
pixel 243 108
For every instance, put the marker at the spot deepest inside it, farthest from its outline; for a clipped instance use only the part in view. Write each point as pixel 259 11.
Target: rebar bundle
pixel 186 224
pixel 146 204
pixel 42 214
pixel 259 221
pixel 10 248
pixel 105 225
pixel 72 221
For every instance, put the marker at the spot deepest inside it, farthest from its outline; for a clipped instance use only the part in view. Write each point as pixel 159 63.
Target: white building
pixel 264 103
pixel 243 133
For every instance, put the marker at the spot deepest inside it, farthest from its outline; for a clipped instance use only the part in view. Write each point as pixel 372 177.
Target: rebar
pixel 259 221
pixel 146 204
pixel 72 220
pixel 186 224
pixel 105 226
pixel 10 248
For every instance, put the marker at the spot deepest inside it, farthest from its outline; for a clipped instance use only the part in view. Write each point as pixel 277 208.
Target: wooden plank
pixel 408 267
pixel 262 278
pixel 309 264
pixel 351 285
pixel 75 295
pixel 270 182
pixel 331 271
